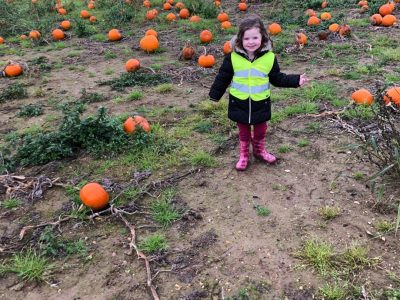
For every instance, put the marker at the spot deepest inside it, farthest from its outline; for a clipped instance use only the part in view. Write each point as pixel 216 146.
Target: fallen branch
pixel 54 223
pixel 141 255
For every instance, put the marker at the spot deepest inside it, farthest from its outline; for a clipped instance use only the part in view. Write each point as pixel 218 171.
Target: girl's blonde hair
pixel 252 21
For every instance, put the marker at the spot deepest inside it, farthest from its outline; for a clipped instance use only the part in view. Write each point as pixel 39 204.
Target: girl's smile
pixel 252 40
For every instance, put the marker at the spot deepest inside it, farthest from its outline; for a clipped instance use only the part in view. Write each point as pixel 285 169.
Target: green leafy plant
pixel 12 92
pixel 138 78
pixel 11 203
pixel 162 210
pixel 262 210
pixel 30 110
pixel 329 212
pixel 29 266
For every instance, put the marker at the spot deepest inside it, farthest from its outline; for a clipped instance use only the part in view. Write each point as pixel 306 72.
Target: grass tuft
pixel 153 244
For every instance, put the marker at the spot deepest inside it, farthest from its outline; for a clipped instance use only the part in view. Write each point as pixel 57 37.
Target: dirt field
pixel 241 235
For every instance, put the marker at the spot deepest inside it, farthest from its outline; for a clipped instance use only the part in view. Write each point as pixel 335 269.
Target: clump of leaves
pixel 91 97
pixel 203 8
pixel 42 62
pixel 98 135
pixel 13 91
pixel 138 78
pixel 30 110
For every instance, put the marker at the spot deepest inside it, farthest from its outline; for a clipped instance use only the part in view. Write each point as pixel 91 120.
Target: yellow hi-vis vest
pixel 250 79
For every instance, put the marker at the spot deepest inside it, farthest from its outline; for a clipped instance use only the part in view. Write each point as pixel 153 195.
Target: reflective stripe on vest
pixel 250 79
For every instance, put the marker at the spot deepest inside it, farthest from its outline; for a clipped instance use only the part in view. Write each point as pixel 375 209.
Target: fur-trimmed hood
pixel 267 46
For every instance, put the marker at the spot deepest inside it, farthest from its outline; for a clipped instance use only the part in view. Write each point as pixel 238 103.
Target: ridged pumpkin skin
pixel 376 19
pixel 58 34
pixel 206 36
pixel 13 70
pixel 94 196
pixel 227 47
pixel 114 35
pixel 132 65
pixel 334 27
pixel 149 43
pixel 65 25
pixel 389 20
pixel 206 61
pixel 313 21
pixel 363 97
pixel 301 38
pixel 131 123
pixel 274 28
pixel 392 95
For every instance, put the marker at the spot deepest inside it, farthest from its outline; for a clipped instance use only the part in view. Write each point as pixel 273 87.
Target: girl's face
pixel 252 40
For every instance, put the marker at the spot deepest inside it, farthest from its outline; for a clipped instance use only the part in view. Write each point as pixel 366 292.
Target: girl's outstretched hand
pixel 303 79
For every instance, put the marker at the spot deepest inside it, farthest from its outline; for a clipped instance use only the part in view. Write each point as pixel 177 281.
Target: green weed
pixel 29 266
pixel 11 203
pixel 202 159
pixel 262 210
pixel 30 110
pixel 109 55
pixel 162 210
pixel 284 148
pixel 359 176
pixel 303 143
pixel 333 292
pixel 385 226
pixel 136 79
pixel 329 212
pixel 318 255
pixel 12 92
pixel 135 95
pixel 153 244
pixel 164 88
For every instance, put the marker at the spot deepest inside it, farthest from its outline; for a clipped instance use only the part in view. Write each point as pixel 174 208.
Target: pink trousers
pixel 259 131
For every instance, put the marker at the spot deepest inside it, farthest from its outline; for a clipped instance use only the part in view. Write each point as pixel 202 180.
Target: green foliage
pixel 203 126
pixel 97 135
pixel 117 13
pixel 303 143
pixel 333 292
pixel 202 159
pixel 163 211
pixel 30 110
pixel 90 97
pixel 284 148
pixel 318 254
pixel 138 78
pixel 29 266
pixel 42 62
pixel 262 210
pixel 23 16
pixel 109 55
pixel 135 95
pixel 12 92
pixel 153 244
pixel 329 212
pixel 81 28
pixel 11 203
pixel 205 8
pixel 164 88
pixel 51 245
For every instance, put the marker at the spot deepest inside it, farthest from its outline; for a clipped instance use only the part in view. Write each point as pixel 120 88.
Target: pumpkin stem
pixel 205 50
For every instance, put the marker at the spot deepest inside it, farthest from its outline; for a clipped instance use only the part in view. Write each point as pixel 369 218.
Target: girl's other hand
pixel 303 79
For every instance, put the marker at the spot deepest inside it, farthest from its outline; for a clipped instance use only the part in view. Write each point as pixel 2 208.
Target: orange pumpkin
pixel 226 25
pixel 222 17
pixel 274 28
pixel 151 14
pixel 313 21
pixel 195 19
pixel 94 196
pixel 93 19
pixel 171 17
pixel 206 36
pixel 334 27
pixel 301 39
pixel 85 14
pixel 13 70
pixel 345 30
pixel 132 65
pixel 114 35
pixel 217 3
pixel 311 13
pixel 184 13
pixel 179 5
pixel 389 20
pixel 324 4
pixel 23 37
pixel 392 95
pixel 326 16
pixel 376 19
pixel 187 52
pixel 170 2
pixel 34 35
pixel 1 40
pixel 363 97
pixel 91 5
pixel 385 9
pixel 65 24
pixel 151 32
pixel 58 34
pixel 362 3
pixel 206 61
pixel 146 3
pixel 227 47
pixel 242 6
pixel 62 11
pixel 167 6
pixel 149 43
pixel 131 123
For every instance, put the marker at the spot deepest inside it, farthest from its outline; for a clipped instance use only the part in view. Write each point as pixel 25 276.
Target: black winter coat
pixel 238 110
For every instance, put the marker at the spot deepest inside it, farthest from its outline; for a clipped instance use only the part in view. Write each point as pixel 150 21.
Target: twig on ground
pixel 54 223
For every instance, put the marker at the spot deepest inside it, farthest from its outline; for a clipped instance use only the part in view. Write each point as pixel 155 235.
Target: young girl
pixel 249 70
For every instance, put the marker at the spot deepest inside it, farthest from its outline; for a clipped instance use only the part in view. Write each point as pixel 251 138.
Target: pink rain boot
pixel 243 162
pixel 260 153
